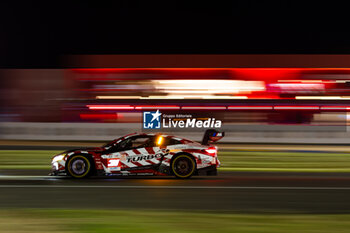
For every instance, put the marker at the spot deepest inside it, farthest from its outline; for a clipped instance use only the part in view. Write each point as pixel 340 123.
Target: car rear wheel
pixel 183 166
pixel 79 166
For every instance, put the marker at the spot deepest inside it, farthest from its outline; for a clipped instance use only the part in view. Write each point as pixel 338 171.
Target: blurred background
pixel 77 74
pixel 284 159
pixel 264 105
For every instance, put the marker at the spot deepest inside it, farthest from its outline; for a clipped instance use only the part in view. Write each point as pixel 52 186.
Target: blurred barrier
pixel 234 133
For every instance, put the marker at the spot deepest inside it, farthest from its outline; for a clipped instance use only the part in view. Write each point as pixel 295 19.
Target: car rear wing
pixel 212 135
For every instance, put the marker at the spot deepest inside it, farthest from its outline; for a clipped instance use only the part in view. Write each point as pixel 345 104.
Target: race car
pixel 142 154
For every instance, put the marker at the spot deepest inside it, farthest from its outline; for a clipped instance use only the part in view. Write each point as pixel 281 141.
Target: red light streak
pixel 175 107
pixel 110 107
pixel 204 107
pixel 297 107
pixel 157 107
pixel 249 108
pixel 335 108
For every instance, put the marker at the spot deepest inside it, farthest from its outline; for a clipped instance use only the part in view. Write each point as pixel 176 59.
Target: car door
pixel 117 157
pixel 136 154
pixel 139 153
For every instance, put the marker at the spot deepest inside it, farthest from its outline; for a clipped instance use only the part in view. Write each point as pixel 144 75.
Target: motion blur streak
pixel 204 107
pixel 157 107
pixel 322 97
pixel 218 97
pixel 111 107
pixel 250 107
pixel 341 108
pixel 296 107
pixel 208 86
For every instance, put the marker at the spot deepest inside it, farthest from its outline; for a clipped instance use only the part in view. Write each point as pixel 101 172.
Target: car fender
pixel 91 156
pixel 183 153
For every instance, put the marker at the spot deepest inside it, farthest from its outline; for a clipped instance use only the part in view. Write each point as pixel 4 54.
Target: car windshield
pixel 132 142
pixel 111 143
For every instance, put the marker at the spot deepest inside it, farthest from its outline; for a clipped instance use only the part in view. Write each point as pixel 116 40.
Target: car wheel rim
pixel 183 167
pixel 78 167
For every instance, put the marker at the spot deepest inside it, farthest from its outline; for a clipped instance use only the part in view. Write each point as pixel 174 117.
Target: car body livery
pixel 142 154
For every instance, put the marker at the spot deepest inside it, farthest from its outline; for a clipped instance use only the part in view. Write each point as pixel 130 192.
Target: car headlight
pixel 58 158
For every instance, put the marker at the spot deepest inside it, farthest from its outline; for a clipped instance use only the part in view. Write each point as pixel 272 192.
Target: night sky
pixel 38 35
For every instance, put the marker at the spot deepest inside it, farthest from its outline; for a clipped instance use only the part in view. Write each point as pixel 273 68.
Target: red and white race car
pixel 142 154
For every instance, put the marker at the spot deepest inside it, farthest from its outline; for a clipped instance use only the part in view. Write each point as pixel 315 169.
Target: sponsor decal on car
pixel 144 157
pixel 113 164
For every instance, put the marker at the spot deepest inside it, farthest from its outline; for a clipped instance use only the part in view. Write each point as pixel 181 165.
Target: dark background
pixel 39 34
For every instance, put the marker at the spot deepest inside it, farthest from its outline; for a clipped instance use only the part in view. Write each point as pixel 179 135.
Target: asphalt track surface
pixel 229 191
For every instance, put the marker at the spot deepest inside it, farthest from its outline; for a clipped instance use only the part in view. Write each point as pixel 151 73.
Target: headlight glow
pixel 58 158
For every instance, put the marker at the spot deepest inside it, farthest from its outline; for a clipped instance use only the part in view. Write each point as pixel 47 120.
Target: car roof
pixel 182 140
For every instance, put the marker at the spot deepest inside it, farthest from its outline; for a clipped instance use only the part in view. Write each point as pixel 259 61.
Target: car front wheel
pixel 79 166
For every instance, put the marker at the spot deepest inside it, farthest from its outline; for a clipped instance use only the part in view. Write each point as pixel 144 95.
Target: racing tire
pixel 183 166
pixel 78 167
